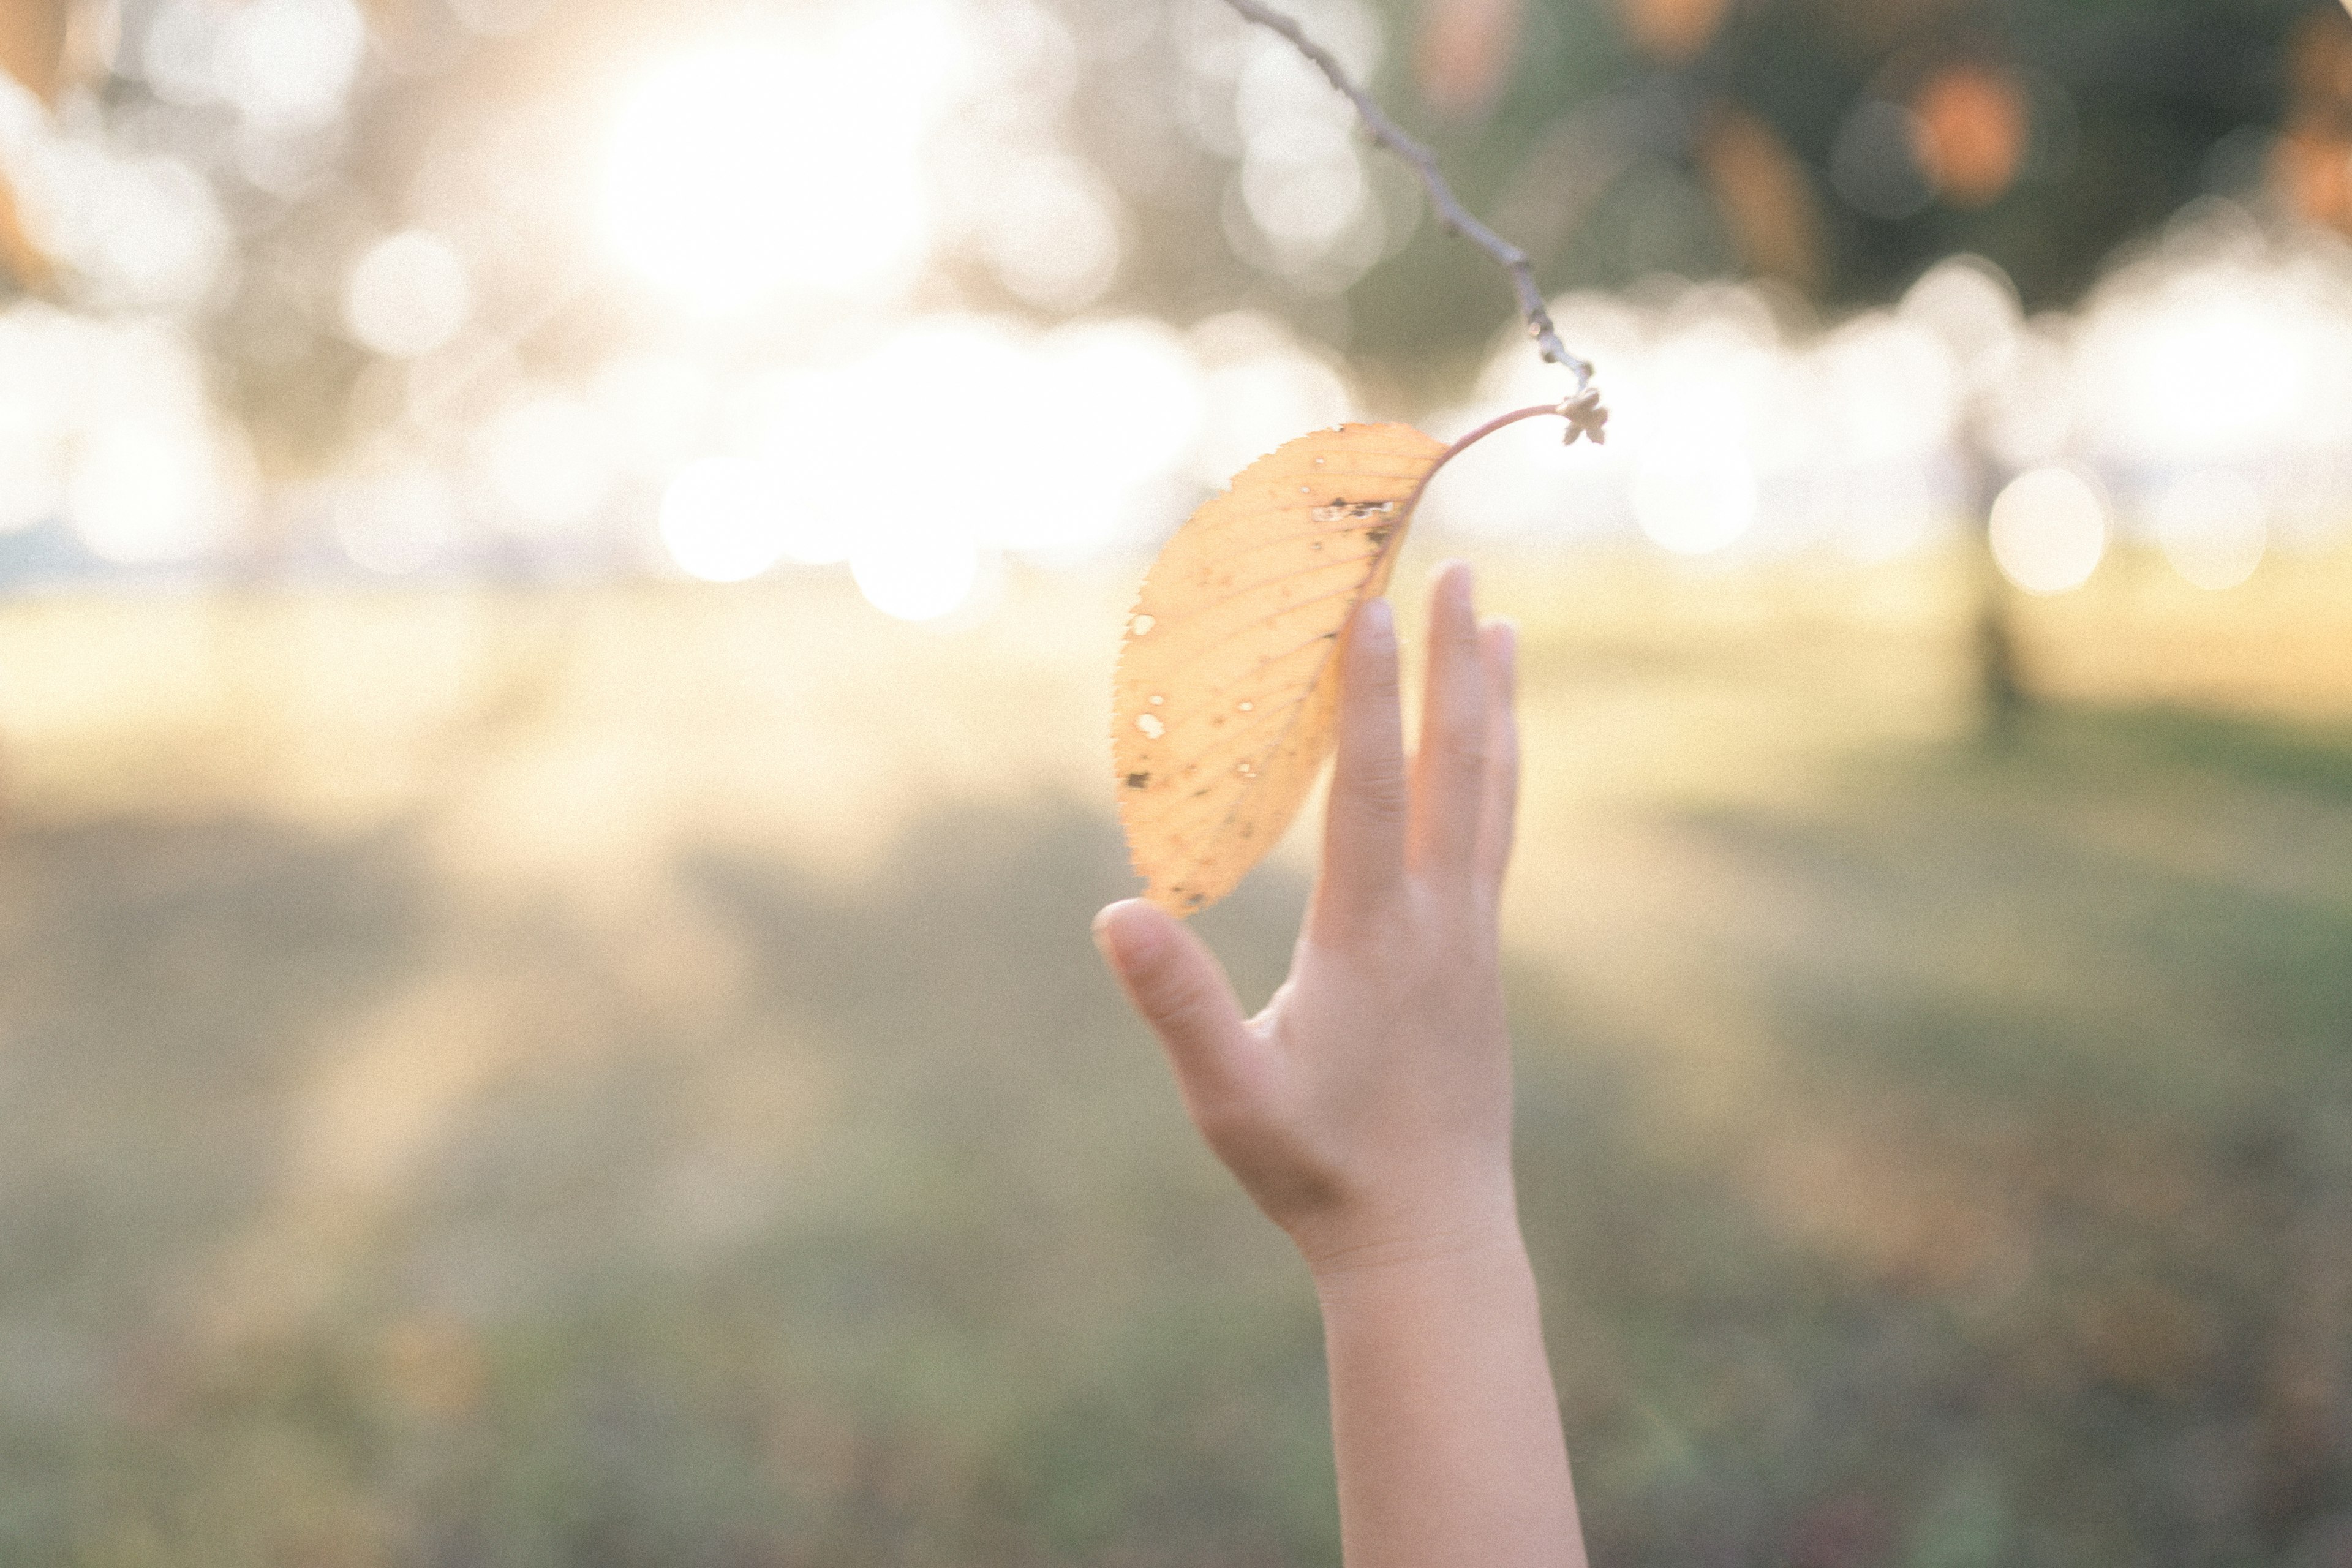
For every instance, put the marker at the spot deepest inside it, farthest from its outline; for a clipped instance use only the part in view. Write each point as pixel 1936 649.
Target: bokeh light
pixel 288 64
pixel 543 464
pixel 2211 527
pixel 408 294
pixel 1301 202
pixel 1729 432
pixel 722 519
pixel 2209 367
pixel 1971 306
pixel 1695 500
pixel 2049 528
pixel 151 490
pixel 139 231
pixel 1262 386
pixel 398 522
pixel 1050 231
pixel 1972 124
pixel 915 576
pixel 1304 184
pixel 800 176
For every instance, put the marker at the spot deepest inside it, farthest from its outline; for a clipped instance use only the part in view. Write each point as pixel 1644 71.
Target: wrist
pixel 1361 1259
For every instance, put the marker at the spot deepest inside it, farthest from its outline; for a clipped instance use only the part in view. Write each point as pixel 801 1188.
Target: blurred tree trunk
pixel 2001 678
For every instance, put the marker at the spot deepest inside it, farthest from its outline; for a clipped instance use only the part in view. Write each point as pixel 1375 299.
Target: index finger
pixel 1449 772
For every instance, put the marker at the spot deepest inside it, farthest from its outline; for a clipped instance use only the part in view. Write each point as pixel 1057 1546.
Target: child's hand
pixel 1368 1109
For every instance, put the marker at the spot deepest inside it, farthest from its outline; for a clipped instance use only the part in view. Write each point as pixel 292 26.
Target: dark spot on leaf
pixel 1342 510
pixel 1137 781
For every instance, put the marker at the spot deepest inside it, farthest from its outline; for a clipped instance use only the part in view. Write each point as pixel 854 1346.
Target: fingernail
pixel 1376 618
pixel 1122 949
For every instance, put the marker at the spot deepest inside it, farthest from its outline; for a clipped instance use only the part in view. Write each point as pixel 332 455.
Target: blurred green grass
pixel 618 1077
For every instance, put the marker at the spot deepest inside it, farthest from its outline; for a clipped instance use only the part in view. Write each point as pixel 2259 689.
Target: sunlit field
pixel 619 1077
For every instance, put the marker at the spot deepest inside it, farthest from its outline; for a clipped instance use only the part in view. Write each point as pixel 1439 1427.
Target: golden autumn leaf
pixel 1228 684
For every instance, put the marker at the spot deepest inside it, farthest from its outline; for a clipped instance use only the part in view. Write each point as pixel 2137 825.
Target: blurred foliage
pixel 1615 141
pixel 1838 145
pixel 1718 149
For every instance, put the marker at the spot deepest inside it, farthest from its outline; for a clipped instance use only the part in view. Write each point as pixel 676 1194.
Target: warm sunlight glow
pixel 1061 443
pixel 724 519
pixel 913 575
pixel 782 161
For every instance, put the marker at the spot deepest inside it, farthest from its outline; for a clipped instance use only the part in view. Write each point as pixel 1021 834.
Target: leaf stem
pixel 1450 210
pixel 1583 413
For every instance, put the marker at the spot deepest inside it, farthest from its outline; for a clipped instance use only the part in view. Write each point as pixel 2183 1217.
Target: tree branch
pixel 1581 407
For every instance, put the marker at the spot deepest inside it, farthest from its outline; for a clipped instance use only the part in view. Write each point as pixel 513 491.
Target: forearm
pixel 1443 1416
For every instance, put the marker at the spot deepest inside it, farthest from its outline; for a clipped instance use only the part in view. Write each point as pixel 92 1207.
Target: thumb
pixel 1180 990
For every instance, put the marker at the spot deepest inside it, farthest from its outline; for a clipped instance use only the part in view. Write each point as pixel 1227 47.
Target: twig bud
pixel 1585 418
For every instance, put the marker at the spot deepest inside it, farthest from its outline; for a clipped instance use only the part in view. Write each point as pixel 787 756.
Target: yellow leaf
pixel 1228 682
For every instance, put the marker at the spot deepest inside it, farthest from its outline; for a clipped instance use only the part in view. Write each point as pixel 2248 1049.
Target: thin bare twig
pixel 1581 408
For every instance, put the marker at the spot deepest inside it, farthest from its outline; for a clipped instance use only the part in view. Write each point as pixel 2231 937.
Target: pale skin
pixel 1368 1111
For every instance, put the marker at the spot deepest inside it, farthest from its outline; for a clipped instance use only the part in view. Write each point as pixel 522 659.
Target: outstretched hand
pixel 1368 1108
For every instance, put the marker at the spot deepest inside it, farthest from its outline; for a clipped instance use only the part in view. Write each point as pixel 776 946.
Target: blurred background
pixel 559 571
